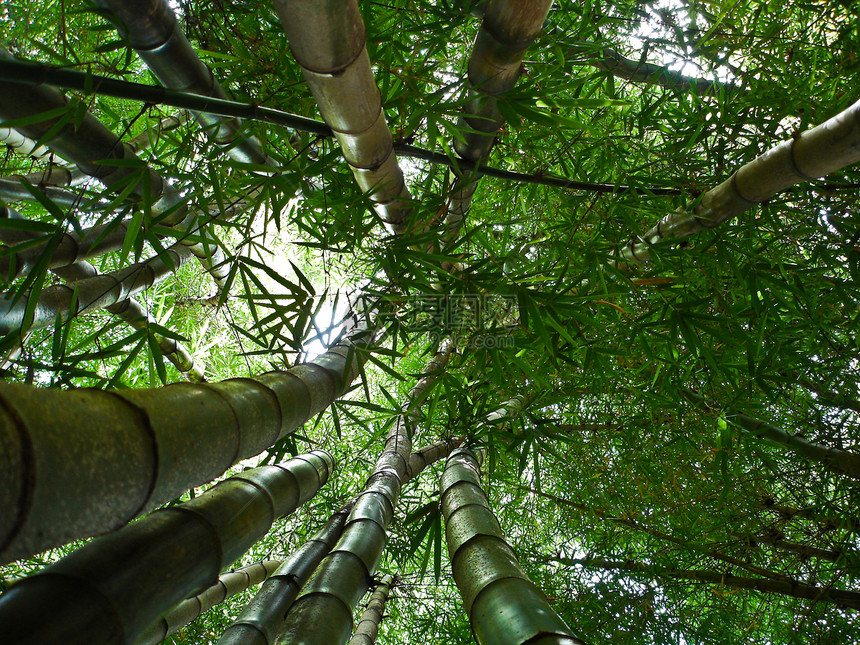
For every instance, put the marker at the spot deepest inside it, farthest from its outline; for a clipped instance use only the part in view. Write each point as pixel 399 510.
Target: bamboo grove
pixel 429 321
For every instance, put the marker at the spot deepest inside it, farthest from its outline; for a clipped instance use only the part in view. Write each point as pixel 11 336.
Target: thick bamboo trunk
pixel 151 29
pixel 508 28
pixel 368 625
pixel 327 38
pixel 77 463
pixel 323 611
pixel 809 155
pixel 111 589
pixel 228 585
pixel 67 301
pixel 262 618
pixel 503 605
pixel 89 144
pixel 11 190
pixel 792 588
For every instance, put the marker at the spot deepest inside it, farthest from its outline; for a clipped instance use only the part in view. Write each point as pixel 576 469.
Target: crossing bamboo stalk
pixel 504 607
pixel 807 156
pixel 11 190
pixel 228 585
pixel 368 625
pixel 327 39
pixel 111 589
pixel 99 153
pixel 153 32
pixel 792 588
pixel 82 462
pixel 24 145
pixel 65 301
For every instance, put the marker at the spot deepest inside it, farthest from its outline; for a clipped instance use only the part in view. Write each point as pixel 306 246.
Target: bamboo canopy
pixel 65 301
pixel 327 39
pixel 368 625
pixel 110 590
pixel 809 155
pixel 83 462
pixel 90 145
pixel 228 585
pixel 503 605
pixel 151 29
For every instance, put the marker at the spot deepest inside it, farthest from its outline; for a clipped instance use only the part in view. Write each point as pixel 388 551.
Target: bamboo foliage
pixel 99 153
pixel 83 462
pixel 67 301
pixel 261 620
pixel 368 625
pixel 503 605
pixel 809 155
pixel 327 39
pixel 228 585
pixel 111 589
pixel 786 587
pixel 151 29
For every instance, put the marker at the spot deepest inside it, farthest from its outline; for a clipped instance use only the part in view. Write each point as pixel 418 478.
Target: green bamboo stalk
pixel 327 39
pixel 82 462
pixel 503 605
pixel 368 625
pixel 111 589
pixel 508 28
pixel 228 585
pixel 807 156
pixel 92 147
pixel 792 588
pixel 262 618
pixel 803 551
pixel 24 146
pixel 152 31
pixel 66 301
pixel 12 190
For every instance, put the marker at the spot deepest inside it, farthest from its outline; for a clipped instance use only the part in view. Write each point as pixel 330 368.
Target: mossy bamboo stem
pixel 327 39
pixel 503 605
pixel 82 462
pixel 152 31
pixel 807 156
pixel 368 625
pixel 228 585
pixel 111 589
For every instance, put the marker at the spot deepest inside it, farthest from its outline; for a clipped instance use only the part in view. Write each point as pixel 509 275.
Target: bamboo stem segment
pixel 327 38
pixel 228 585
pixel 77 463
pixel 503 605
pixel 112 588
pixel 368 625
pixel 809 155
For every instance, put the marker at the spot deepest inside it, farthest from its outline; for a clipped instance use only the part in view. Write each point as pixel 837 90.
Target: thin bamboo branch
pixel 368 624
pixel 229 584
pixel 792 588
pixel 111 589
pixel 327 39
pixel 152 31
pixel 65 301
pixel 83 462
pixel 504 607
pixel 807 156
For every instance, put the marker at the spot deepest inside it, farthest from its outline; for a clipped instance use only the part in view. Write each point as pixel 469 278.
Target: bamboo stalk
pixel 262 618
pixel 807 156
pixel 792 588
pixel 91 146
pixel 24 145
pixel 368 625
pixel 152 31
pixel 112 588
pixel 65 301
pixel 327 39
pixel 503 605
pixel 12 190
pixel 81 462
pixel 228 585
